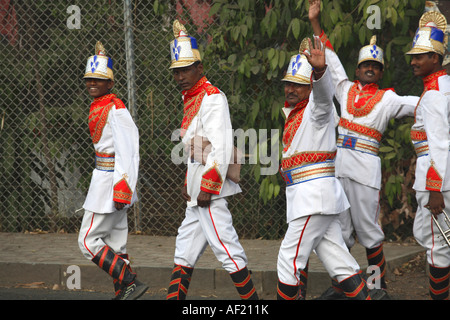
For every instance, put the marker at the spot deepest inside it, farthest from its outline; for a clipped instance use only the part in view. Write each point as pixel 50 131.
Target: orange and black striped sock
pixel 375 257
pixel 244 284
pixel 355 288
pixel 287 291
pixel 439 283
pixel 117 286
pixel 114 265
pixel 179 282
pixel 303 282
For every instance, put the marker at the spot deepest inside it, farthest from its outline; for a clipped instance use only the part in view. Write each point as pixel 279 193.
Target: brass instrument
pixel 445 233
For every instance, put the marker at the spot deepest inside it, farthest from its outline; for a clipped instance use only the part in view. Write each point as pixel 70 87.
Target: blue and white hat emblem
pixel 371 52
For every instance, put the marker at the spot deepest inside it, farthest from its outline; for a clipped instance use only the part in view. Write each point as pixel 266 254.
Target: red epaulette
pixel 210 89
pixel 119 103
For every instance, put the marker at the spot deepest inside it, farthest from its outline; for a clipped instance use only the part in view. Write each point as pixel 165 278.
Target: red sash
pixel 193 100
pixel 98 114
pixel 293 122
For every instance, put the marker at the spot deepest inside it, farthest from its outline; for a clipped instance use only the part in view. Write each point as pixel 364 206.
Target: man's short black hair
pixel 441 57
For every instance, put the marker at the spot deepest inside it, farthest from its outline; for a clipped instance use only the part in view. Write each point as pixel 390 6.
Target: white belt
pixel 308 172
pixel 421 147
pixel 358 144
pixel 104 162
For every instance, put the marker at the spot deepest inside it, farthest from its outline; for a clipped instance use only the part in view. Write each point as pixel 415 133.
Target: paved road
pixel 49 294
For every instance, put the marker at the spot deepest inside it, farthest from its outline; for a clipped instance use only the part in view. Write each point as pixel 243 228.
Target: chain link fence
pixel 46 151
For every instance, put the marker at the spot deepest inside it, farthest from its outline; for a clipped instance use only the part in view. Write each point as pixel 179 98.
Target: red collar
pixel 107 97
pixel 298 106
pixel 195 90
pixel 430 82
pixel 367 87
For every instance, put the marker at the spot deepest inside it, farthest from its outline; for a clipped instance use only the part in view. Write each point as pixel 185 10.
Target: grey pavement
pixel 43 260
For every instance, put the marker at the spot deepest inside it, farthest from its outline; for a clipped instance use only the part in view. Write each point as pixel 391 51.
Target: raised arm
pixel 314 13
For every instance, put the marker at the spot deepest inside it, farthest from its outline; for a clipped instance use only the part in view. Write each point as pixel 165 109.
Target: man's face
pixel 423 64
pixel 369 72
pixel 98 87
pixel 187 77
pixel 296 93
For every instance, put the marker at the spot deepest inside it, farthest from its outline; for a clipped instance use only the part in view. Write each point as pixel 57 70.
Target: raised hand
pixel 313 14
pixel 316 57
pixel 314 9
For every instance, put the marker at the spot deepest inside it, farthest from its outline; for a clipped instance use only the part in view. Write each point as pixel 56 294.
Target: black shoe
pixel 332 294
pixel 379 294
pixel 133 291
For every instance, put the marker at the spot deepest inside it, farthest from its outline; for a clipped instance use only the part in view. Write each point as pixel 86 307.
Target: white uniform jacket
pixel 207 115
pixel 309 148
pixel 430 134
pixel 365 115
pixel 116 143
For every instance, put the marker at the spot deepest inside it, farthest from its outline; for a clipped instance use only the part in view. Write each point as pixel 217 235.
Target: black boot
pixel 244 284
pixel 375 257
pixel 179 282
pixel 334 292
pixel 117 285
pixel 117 268
pixel 355 288
pixel 303 283
pixel 439 282
pixel 287 292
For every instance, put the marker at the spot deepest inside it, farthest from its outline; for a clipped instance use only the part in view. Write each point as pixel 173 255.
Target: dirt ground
pixel 410 281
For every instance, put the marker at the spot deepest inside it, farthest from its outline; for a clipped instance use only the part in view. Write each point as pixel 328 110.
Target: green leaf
pixel 295 25
pixel 215 9
pixel 386 149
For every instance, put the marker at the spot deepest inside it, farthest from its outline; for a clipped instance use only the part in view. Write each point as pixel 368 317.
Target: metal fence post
pixel 131 82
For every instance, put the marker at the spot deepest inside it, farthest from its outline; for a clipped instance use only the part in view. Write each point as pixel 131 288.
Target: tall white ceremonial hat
pixel 184 49
pixel 299 69
pixel 430 36
pixel 371 52
pixel 99 66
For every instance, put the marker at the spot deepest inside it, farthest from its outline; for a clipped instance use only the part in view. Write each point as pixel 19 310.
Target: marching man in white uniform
pixel 365 113
pixel 431 139
pixel 207 186
pixel 104 229
pixel 314 196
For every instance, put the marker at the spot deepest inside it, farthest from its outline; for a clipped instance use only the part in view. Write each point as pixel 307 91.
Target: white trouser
pixel 427 233
pixel 362 216
pixel 211 225
pixel 98 230
pixel 322 234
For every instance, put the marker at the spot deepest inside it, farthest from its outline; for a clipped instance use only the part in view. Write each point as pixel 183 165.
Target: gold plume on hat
pixel 177 27
pixel 100 49
pixel 304 46
pixel 435 17
pixel 373 40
